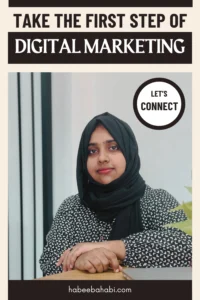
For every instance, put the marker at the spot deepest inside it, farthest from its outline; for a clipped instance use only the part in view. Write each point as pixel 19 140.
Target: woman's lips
pixel 105 170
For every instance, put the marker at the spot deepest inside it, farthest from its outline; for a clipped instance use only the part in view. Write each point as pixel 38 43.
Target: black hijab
pixel 120 198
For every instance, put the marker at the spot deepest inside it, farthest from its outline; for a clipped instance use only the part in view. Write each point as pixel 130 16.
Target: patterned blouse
pixel 155 246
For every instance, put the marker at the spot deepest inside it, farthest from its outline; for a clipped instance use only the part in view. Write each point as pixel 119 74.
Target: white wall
pixel 77 97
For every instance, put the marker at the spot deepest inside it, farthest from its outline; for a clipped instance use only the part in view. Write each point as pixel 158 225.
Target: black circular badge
pixel 159 103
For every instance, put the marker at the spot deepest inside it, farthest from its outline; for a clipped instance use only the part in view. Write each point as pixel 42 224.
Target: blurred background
pixel 47 114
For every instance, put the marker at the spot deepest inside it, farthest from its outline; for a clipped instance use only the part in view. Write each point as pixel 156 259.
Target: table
pixel 81 275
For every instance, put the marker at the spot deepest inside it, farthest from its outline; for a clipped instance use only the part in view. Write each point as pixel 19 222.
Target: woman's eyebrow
pixel 106 142
pixel 109 141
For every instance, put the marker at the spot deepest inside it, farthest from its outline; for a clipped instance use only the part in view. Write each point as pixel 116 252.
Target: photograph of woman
pixel 116 219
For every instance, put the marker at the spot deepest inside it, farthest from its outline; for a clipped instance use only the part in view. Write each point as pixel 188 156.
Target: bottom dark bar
pixel 141 290
pixel 100 48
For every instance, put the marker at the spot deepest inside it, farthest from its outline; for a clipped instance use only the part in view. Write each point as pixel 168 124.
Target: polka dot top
pixel 155 246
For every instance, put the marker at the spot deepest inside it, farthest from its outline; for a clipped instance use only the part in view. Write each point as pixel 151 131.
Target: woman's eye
pixel 92 151
pixel 114 147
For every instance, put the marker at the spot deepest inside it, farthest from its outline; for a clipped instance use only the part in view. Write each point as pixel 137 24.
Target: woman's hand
pixel 70 256
pixel 97 261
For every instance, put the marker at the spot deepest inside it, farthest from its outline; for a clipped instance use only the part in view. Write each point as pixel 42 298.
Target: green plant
pixel 186 225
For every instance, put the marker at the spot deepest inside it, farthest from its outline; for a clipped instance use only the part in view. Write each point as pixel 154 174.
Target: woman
pixel 116 219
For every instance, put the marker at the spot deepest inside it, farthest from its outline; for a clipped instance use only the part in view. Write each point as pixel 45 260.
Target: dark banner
pixel 102 3
pixel 100 48
pixel 122 289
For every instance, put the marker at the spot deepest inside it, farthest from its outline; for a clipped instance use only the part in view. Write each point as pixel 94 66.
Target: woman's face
pixel 105 160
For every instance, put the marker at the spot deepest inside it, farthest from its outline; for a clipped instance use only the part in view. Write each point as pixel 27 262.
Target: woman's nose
pixel 103 157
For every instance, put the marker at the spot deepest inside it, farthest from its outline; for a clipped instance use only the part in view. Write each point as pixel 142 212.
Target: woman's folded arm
pixel 57 240
pixel 157 245
pixel 167 247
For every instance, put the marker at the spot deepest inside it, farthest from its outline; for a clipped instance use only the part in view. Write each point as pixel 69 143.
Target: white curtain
pixel 25 176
